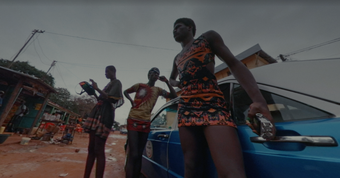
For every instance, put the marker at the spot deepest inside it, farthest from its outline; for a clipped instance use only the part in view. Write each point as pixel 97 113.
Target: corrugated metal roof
pixel 13 75
pixel 252 50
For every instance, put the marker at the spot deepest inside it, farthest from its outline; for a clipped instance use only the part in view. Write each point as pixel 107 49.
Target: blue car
pixel 304 100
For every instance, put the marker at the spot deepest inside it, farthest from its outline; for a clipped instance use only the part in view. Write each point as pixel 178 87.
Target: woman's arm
pixel 101 92
pixel 242 74
pixel 173 93
pixel 173 76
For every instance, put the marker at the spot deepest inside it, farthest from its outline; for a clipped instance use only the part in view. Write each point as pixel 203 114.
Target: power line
pixel 42 51
pixel 61 76
pixel 70 71
pixel 33 33
pixel 120 43
pixel 284 56
pixel 35 49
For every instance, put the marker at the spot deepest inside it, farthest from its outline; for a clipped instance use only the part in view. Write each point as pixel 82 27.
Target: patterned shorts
pixel 138 125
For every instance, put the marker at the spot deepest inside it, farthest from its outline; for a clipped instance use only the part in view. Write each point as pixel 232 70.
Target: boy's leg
pixel 225 150
pixel 131 169
pixel 143 137
pixel 193 147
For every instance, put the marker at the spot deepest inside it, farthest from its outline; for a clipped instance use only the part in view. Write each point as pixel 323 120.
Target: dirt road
pixel 41 159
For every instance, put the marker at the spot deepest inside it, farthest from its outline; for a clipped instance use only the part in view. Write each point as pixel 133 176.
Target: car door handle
pixel 163 135
pixel 308 140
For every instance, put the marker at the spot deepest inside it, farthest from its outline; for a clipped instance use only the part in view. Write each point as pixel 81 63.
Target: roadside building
pixel 19 87
pixel 251 58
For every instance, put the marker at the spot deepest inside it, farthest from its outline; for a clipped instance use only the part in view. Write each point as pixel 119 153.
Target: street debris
pixel 63 175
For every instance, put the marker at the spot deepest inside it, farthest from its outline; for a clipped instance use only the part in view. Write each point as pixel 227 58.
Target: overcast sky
pixel 86 37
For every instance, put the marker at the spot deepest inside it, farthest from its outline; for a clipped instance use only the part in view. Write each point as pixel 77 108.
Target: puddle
pixel 64 159
pixel 111 144
pixel 108 150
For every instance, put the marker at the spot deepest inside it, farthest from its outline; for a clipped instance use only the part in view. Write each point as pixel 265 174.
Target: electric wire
pixel 312 47
pixel 120 43
pixel 42 51
pixel 29 44
pixel 16 53
pixel 70 71
pixel 57 68
pixel 38 55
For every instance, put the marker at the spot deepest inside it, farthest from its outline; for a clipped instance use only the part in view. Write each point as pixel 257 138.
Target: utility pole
pixel 53 64
pixel 44 77
pixel 33 33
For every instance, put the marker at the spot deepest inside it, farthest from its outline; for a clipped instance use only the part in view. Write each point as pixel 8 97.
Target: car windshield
pixel 165 118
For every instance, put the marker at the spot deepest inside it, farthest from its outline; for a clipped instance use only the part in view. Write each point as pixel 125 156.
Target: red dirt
pixel 40 159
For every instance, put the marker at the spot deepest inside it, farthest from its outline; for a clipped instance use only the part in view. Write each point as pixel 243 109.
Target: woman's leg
pixel 90 155
pixel 225 150
pixel 100 155
pixel 193 147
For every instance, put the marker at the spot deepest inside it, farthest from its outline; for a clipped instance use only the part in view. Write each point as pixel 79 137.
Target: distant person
pixel 100 121
pixel 2 94
pixel 57 117
pixel 46 116
pixel 138 122
pixel 53 117
pixel 16 119
pixel 202 113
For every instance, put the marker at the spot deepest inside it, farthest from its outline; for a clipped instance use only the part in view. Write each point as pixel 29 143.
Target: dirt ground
pixel 42 159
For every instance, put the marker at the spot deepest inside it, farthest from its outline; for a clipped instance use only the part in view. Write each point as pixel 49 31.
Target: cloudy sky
pixel 134 36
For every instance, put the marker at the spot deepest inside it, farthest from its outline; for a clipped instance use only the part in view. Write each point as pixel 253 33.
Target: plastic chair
pixel 42 126
pixel 47 124
pixel 79 129
pixel 62 128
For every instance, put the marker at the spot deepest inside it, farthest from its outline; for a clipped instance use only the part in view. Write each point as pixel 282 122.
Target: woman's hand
pixel 263 109
pixel 94 84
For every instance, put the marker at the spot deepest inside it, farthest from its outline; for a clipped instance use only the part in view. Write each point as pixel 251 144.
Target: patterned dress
pixel 102 115
pixel 145 99
pixel 201 103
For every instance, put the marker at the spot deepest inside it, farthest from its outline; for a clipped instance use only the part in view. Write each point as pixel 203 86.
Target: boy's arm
pixel 242 74
pixel 126 94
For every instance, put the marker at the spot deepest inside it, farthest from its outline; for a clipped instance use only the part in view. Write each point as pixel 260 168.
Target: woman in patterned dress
pixel 100 121
pixel 203 118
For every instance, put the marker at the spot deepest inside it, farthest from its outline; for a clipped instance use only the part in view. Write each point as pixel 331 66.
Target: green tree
pixel 82 104
pixel 62 98
pixel 25 67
